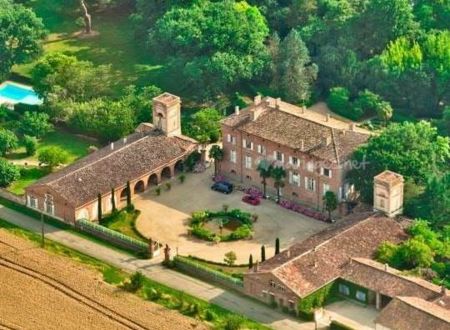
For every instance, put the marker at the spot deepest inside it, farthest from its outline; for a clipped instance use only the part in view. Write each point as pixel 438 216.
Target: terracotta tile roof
pixel 323 257
pixel 388 281
pixel 405 313
pixel 134 156
pixel 290 128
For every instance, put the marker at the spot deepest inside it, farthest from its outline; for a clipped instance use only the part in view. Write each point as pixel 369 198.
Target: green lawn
pixel 123 222
pixel 75 146
pixel 27 177
pixel 115 45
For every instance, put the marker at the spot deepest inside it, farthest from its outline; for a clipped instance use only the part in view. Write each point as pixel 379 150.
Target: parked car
pixel 250 199
pixel 223 187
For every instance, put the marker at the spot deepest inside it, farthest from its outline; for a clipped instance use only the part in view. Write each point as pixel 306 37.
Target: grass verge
pixel 124 222
pixel 147 288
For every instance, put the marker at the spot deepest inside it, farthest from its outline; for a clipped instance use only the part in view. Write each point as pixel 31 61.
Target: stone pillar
pixel 377 300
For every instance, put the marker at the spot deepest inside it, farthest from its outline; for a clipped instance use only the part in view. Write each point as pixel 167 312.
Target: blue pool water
pixel 13 93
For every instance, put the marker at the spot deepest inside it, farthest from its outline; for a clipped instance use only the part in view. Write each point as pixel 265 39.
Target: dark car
pixel 223 187
pixel 253 200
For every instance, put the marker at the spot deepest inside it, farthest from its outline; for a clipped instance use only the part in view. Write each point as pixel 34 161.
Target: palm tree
pixel 216 153
pixel 265 169
pixel 278 174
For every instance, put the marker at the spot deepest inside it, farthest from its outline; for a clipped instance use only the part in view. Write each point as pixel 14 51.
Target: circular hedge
pixel 240 223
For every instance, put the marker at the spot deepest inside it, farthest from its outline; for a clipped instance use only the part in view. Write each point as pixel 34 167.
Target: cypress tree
pixel 250 262
pixel 128 194
pixel 99 206
pixel 277 246
pixel 113 200
pixel 263 253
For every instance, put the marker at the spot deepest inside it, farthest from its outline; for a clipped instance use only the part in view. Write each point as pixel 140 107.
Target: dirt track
pixel 39 290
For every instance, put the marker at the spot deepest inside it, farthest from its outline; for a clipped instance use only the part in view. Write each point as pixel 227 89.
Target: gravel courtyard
pixel 166 217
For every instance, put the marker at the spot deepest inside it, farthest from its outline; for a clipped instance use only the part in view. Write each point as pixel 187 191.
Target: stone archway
pixel 123 194
pixel 178 167
pixel 166 173
pixel 139 187
pixel 152 180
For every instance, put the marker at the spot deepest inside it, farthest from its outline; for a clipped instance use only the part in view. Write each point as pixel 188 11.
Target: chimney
pixel 112 145
pixel 326 141
pixel 302 145
pixel 257 99
pixel 327 117
pixel 343 132
pixel 288 253
pixel 302 110
pixel 278 103
pixel 386 267
pixel 125 140
pixel 256 266
pixel 236 110
pixel 444 291
pixel 352 127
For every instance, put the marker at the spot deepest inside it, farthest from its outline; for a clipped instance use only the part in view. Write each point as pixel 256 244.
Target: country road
pixel 152 268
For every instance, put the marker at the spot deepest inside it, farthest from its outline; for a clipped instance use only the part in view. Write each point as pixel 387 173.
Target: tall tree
pixel 86 17
pixel 295 71
pixel 414 150
pixel 113 200
pixel 330 202
pixel 263 253
pixel 216 153
pixel 265 169
pixel 8 141
pixel 428 63
pixel 250 261
pixel 277 246
pixel 215 44
pixel 128 194
pixel 99 208
pixel 278 174
pixel 21 32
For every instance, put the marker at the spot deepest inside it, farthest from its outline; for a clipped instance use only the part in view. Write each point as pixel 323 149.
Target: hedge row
pixel 179 260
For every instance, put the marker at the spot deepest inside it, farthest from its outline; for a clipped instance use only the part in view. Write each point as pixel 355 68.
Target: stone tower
pixel 388 193
pixel 167 114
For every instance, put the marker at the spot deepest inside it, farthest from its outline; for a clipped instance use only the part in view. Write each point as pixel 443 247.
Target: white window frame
pixel 294 161
pixel 248 162
pixel 261 149
pixel 247 144
pixel 292 180
pixel 310 166
pixel 310 184
pixel 322 172
pixel 33 200
pixel 277 153
pixel 229 138
pixel 233 155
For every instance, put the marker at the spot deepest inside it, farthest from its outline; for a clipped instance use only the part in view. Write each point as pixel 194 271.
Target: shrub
pixel 158 191
pixel 335 325
pixel 53 156
pixel 210 315
pixel 230 258
pixel 168 186
pixel 202 233
pixel 35 124
pixel 182 178
pixel 30 143
pixel 134 283
pixel 8 141
pixel 152 294
pixel 339 99
pixel 233 322
pixel 8 173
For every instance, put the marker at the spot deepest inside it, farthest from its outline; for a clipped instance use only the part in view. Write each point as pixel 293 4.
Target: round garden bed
pixel 222 226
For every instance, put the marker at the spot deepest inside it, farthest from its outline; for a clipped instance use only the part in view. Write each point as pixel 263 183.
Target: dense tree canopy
pixel 216 43
pixel 21 32
pixel 414 150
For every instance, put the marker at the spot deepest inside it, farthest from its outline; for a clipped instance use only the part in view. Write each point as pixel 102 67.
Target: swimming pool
pixel 12 93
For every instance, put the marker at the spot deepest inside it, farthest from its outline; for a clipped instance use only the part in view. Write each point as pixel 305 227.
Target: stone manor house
pixel 150 155
pixel 312 147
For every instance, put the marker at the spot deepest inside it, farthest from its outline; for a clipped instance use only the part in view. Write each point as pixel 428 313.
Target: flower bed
pixel 240 222
pixel 303 210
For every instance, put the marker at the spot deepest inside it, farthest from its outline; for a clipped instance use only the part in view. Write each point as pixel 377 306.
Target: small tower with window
pixel 388 193
pixel 167 114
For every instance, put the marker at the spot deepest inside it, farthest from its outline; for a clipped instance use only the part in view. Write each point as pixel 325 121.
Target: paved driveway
pixel 166 217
